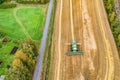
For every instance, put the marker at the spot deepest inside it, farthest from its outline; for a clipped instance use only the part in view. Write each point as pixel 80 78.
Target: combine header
pixel 74 49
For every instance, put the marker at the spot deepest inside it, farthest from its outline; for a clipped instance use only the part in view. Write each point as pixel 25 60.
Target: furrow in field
pixel 85 22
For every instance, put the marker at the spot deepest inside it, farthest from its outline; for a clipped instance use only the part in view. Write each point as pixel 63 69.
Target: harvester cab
pixel 74 49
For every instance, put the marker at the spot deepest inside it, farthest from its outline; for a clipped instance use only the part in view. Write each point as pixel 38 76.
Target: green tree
pixel 20 72
pixel 1 1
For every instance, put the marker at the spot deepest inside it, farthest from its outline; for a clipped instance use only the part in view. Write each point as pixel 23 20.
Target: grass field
pixel 33 22
pixel 9 25
pixel 32 19
pixel 5 56
pixel 19 23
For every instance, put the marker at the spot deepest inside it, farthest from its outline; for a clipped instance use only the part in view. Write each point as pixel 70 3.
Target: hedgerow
pixel 6 6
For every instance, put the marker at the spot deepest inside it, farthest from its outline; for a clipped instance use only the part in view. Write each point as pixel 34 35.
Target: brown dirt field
pixel 86 22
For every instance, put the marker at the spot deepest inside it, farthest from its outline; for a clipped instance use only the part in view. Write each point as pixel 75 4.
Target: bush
pixel 19 72
pixel 6 6
pixel 33 1
pixel 1 1
pixel 24 63
pixel 28 2
pixel 2 35
pixel 0 46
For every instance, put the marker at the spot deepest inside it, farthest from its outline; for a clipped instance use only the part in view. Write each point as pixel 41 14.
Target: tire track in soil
pixel 59 41
pixel 86 29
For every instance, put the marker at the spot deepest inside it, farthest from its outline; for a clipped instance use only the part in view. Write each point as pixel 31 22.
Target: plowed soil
pixel 86 22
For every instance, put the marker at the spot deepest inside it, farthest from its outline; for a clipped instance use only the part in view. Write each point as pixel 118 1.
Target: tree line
pixel 33 1
pixel 27 1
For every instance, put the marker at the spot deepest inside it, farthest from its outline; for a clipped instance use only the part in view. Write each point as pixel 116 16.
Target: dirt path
pixel 86 22
pixel 21 24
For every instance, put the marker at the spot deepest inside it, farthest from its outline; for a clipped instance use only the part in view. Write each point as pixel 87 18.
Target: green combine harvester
pixel 74 49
